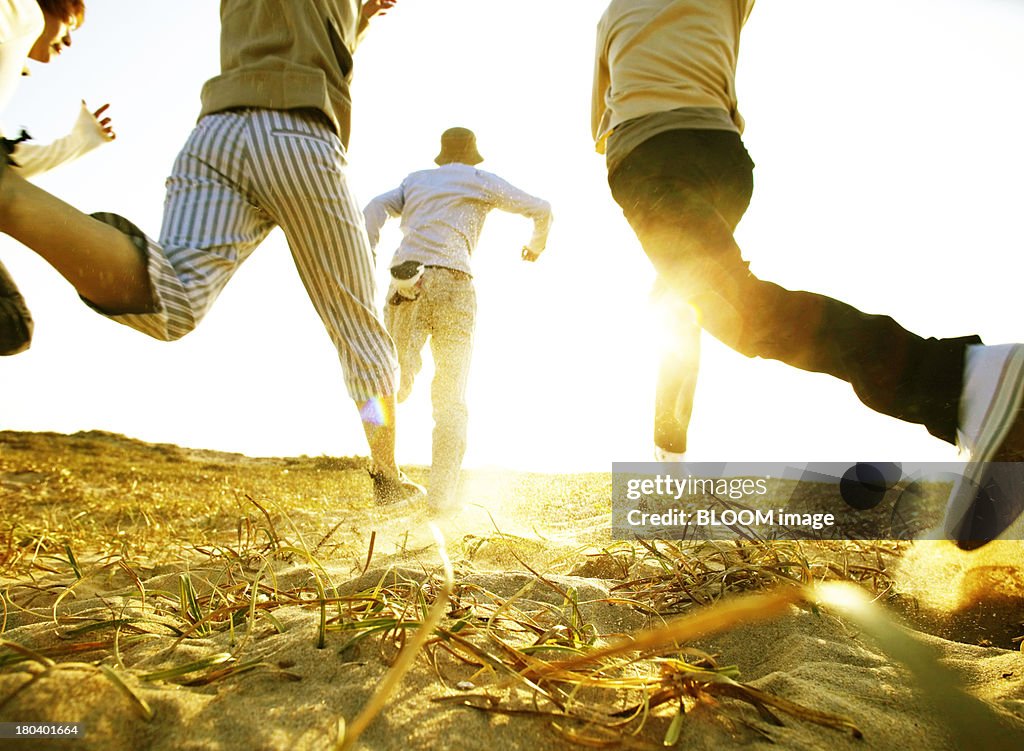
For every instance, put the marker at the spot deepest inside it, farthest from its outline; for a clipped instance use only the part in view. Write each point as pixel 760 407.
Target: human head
pixel 458 145
pixel 60 16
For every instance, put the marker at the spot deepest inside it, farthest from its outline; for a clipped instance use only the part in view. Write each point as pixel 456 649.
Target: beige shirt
pixel 662 55
pixel 284 54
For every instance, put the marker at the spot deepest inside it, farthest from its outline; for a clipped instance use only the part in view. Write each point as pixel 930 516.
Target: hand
pixel 530 255
pixel 104 123
pixel 373 8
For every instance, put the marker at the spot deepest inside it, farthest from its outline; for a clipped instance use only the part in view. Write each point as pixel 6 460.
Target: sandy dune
pixel 172 599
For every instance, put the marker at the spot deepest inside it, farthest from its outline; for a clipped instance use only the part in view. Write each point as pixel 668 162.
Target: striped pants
pixel 239 175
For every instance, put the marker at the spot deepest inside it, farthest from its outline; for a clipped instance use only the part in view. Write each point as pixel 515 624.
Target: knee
pixel 178 325
pixel 157 325
pixel 453 417
pixel 14 342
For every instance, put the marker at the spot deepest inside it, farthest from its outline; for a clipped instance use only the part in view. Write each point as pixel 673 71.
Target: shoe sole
pixel 990 495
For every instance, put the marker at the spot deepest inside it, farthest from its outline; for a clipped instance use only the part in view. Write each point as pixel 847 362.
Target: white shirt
pixel 443 212
pixel 33 158
pixel 21 23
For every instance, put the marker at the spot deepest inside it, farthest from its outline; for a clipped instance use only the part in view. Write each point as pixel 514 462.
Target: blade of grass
pixel 137 701
pixel 408 654
pixel 745 609
pixel 73 561
pixel 191 667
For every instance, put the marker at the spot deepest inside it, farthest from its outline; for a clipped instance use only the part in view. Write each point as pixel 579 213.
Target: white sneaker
pixel 445 507
pixel 989 496
pixel 672 457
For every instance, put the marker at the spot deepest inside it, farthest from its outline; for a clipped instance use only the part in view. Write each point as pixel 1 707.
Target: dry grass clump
pixel 551 663
pixel 502 653
pixel 672 576
pixel 114 497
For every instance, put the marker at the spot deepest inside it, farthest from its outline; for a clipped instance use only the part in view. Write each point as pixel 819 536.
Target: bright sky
pixel 886 176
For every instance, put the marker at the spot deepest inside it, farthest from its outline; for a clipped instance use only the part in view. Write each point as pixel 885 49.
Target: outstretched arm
pixel 379 209
pixel 371 9
pixel 91 130
pixel 508 197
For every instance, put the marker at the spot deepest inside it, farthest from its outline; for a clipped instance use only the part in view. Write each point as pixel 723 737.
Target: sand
pixel 952 678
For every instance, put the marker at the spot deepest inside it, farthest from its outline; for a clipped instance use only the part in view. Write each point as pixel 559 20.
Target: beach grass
pixel 157 567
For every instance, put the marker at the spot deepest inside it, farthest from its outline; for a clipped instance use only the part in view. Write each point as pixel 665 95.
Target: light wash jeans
pixel 444 313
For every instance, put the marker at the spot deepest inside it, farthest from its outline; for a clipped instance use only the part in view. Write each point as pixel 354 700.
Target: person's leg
pixel 15 320
pixel 677 373
pixel 670 189
pixel 209 228
pixel 960 390
pixel 298 165
pixel 104 265
pixel 989 496
pixel 680 359
pixel 409 330
pixel 377 415
pixel 408 326
pixel 211 224
pixel 453 300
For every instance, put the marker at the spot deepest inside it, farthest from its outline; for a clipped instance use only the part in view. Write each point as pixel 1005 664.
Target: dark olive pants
pixel 15 321
pixel 683 193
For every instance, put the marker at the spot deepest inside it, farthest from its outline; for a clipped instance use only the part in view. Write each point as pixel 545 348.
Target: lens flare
pixel 372 411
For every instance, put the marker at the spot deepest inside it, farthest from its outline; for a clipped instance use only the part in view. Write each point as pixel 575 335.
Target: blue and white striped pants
pixel 239 175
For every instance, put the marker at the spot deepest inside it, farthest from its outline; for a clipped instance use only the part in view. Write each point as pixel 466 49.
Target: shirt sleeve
pixel 19 18
pixel 33 159
pixel 362 25
pixel 379 209
pixel 602 82
pixel 508 197
pixel 21 24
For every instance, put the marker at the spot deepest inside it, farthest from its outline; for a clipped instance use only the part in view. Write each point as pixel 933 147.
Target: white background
pixel 886 137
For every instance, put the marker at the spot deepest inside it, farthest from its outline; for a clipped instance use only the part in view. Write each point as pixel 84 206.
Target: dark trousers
pixel 15 321
pixel 684 192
